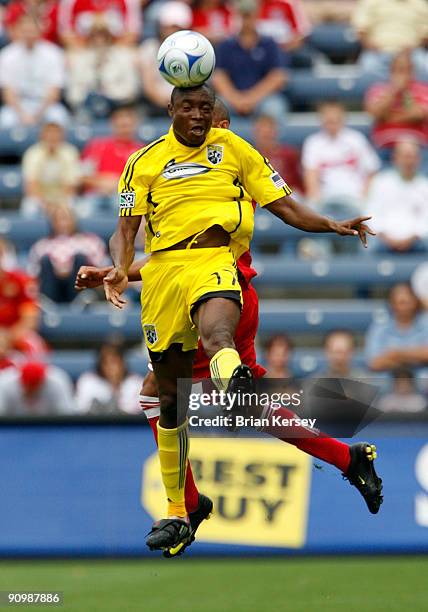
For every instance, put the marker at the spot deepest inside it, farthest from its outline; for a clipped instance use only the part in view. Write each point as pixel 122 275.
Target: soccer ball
pixel 186 59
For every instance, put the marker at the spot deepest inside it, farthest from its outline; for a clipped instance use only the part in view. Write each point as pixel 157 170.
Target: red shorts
pixel 244 337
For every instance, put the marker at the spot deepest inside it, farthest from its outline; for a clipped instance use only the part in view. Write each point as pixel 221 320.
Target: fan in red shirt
pixel 19 310
pixel 45 12
pixel 104 158
pixel 284 158
pixel 213 18
pixel 285 21
pixel 399 107
pixel 76 18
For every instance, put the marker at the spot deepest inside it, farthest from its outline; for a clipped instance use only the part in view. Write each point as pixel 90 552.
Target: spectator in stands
pixel 278 357
pixel 35 389
pixel 402 340
pixel 111 388
pixel 7 358
pixel 287 23
pixel 250 73
pixel 338 163
pixel 330 11
pixel 284 158
pixel 31 77
pixel 339 350
pixel 389 27
pixel 213 18
pixel 76 18
pixel 57 258
pixel 404 397
pixel 50 170
pixel 101 73
pixel 400 106
pixel 104 159
pixel 43 12
pixel 19 310
pixel 398 203
pixel 419 283
pixel 172 17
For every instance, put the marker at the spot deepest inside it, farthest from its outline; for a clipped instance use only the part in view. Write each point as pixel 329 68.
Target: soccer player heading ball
pixel 196 186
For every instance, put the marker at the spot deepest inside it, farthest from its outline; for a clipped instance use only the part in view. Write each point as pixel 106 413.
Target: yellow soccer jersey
pixel 185 190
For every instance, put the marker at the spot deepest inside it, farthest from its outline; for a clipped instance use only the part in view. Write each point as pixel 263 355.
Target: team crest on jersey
pixel 150 333
pixel 215 154
pixel 127 199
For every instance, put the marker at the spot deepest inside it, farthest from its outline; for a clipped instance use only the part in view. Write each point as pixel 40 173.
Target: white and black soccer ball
pixel 186 59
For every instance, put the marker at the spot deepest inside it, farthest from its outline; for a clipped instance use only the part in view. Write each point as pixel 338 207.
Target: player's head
pixel 192 111
pixel 221 115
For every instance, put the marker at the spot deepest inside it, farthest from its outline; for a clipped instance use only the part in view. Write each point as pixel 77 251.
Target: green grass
pixel 220 585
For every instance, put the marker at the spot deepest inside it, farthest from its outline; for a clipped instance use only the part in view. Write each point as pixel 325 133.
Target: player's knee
pixel 216 340
pixel 168 410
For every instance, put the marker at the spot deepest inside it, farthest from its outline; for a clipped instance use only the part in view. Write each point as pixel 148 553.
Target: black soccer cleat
pixel 168 533
pixel 202 513
pixel 241 381
pixel 362 475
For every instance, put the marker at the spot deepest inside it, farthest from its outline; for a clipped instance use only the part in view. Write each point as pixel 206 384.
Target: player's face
pixel 192 116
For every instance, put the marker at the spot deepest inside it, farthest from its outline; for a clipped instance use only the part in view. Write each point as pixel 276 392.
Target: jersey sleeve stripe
pixel 131 168
pixel 127 167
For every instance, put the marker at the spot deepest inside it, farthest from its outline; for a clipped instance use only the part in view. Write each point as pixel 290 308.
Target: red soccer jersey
pixel 109 155
pixel 18 293
pixel 387 133
pixel 121 16
pixel 283 19
pixel 217 20
pixel 46 14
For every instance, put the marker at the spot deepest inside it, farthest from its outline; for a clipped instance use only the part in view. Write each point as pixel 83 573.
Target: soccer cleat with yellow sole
pixel 202 513
pixel 362 474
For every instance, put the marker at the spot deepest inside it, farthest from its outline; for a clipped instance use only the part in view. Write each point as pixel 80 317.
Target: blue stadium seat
pixel 10 182
pixel 76 362
pixel 24 233
pixel 301 316
pixel 335 40
pixel 340 271
pixel 304 87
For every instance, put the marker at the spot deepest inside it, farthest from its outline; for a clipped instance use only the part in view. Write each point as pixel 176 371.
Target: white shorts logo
pixel 150 333
pixel 127 199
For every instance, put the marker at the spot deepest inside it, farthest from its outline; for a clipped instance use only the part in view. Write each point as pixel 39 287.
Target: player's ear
pixel 170 109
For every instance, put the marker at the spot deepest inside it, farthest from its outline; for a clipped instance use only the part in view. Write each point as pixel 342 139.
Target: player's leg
pixel 355 462
pixel 150 404
pixel 173 444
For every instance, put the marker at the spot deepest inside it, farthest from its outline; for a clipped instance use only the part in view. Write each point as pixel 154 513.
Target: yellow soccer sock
pixel 222 366
pixel 173 452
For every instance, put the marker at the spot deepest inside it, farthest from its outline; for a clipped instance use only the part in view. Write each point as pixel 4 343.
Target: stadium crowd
pixel 73 67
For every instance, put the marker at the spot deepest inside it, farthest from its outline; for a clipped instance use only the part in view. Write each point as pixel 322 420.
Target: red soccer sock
pixel 151 408
pixel 313 442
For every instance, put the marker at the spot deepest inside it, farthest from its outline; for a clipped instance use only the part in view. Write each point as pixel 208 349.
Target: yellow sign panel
pixel 260 490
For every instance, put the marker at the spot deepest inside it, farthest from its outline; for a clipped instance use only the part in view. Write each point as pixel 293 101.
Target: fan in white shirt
pixel 110 389
pixel 338 162
pixel 398 203
pixel 32 75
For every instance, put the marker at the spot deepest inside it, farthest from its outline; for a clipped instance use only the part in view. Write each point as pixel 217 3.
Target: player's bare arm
pixel 122 251
pixel 304 218
pixel 90 277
